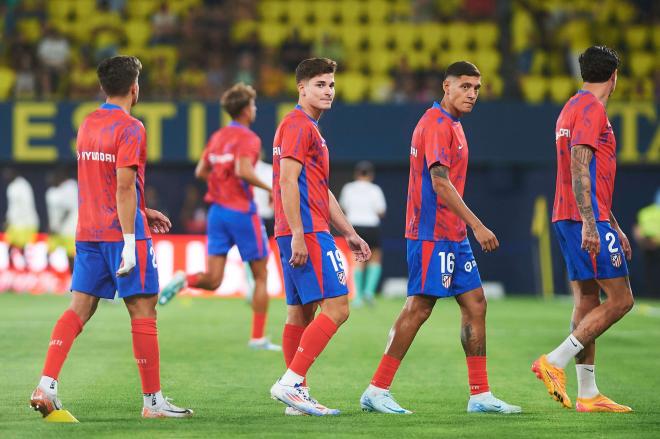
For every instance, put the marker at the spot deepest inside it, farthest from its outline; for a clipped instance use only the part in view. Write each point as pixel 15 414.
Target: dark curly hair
pixel 312 67
pixel 118 74
pixel 597 63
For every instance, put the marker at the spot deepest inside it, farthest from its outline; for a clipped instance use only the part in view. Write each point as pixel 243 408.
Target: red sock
pixel 65 331
pixel 192 279
pixel 290 342
pixel 258 323
pixel 145 349
pixel 385 373
pixel 313 341
pixel 477 375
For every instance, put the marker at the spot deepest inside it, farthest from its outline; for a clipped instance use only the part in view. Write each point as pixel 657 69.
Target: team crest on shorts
pixel 616 259
pixel 341 275
pixel 446 280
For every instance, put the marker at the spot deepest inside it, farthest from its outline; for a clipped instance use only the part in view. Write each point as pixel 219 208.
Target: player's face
pixel 319 91
pixel 462 92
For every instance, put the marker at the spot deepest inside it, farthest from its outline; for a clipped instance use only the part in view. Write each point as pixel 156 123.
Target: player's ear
pixel 445 86
pixel 301 88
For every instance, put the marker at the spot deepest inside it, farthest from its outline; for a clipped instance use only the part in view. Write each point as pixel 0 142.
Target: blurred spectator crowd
pixel 388 50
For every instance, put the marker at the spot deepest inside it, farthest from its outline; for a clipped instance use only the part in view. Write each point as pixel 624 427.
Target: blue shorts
pixel 96 265
pixel 227 227
pixel 441 268
pixel 322 277
pixel 609 263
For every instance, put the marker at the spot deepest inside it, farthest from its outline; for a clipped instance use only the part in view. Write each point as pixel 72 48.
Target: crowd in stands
pixel 388 50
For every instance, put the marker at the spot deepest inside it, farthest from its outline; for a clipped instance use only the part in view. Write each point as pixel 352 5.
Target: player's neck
pixel 312 112
pixel 600 90
pixel 244 121
pixel 124 103
pixel 450 109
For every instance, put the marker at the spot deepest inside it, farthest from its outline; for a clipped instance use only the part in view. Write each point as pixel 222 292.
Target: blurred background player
pixel 364 204
pixel 312 266
pixel 114 252
pixel 594 246
pixel 22 221
pixel 647 235
pixel 62 205
pixel 227 165
pixel 440 259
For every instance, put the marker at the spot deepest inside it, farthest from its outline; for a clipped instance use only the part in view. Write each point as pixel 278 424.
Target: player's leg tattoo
pixel 473 322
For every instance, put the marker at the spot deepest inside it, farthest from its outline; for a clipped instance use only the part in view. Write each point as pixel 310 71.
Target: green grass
pixel 206 365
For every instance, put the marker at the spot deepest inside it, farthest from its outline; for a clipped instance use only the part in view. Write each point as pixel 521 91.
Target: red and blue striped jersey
pixel 225 146
pixel 583 121
pixel 108 139
pixel 298 138
pixel 438 139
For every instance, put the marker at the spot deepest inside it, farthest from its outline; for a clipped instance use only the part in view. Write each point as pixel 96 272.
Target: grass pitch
pixel 206 365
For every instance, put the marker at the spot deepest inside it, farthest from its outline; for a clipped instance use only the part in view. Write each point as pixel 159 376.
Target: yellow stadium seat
pixel 402 8
pixel 491 87
pixel 405 36
pixel 534 88
pixel 352 86
pixel 656 36
pixel 353 36
pixel 380 88
pixel 522 28
pixel 460 35
pixel 7 79
pixel 272 34
pixel 488 61
pixel 418 59
pixel 378 11
pixel 138 32
pixel 447 57
pixel 298 12
pixel 487 34
pixel 325 12
pixel 142 9
pixel 181 7
pixel 642 64
pixel 60 9
pixel 625 12
pixel 380 61
pixel 242 29
pixel 30 28
pixel 434 35
pixel 351 11
pixel 272 11
pixel 85 8
pixel 169 54
pixel 623 87
pixel 637 36
pixel 378 36
pixel 561 88
pixel 291 85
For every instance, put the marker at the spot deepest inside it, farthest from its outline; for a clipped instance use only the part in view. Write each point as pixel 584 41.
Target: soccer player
pixel 114 252
pixel 62 205
pixel 22 220
pixel 440 260
pixel 592 242
pixel 313 269
pixel 227 165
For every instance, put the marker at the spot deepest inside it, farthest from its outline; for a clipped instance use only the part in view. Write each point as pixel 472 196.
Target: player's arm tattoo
pixel 472 345
pixel 581 156
pixel 440 171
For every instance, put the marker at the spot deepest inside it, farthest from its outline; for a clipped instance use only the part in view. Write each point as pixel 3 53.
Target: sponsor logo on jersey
pixel 413 151
pixel 341 275
pixel 96 156
pixel 221 158
pixel 563 132
pixel 277 150
pixel 446 280
pixel 469 265
pixel 616 259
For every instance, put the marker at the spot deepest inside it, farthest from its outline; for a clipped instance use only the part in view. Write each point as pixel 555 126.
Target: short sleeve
pixel 296 140
pixel 588 125
pixel 437 145
pixel 250 148
pixel 131 141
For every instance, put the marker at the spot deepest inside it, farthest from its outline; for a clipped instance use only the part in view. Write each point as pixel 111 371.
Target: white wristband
pixel 129 239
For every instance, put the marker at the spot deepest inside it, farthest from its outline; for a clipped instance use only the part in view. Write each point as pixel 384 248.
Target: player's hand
pixel 158 222
pixel 486 238
pixel 625 243
pixel 359 247
pixel 590 238
pixel 299 252
pixel 127 256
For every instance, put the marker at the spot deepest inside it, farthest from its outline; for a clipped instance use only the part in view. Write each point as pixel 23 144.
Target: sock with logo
pixel 373 277
pixel 586 378
pixel 48 384
pixel 65 331
pixel 258 323
pixel 385 373
pixel 153 400
pixel 290 341
pixel 477 374
pixel 147 357
pixel 568 349
pixel 313 341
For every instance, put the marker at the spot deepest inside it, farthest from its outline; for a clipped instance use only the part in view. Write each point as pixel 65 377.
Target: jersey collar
pixel 233 123
pixel 314 121
pixel 439 107
pixel 106 106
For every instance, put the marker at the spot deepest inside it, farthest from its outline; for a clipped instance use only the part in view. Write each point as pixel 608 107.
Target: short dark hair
pixel 460 68
pixel 312 67
pixel 236 98
pixel 117 74
pixel 364 168
pixel 597 63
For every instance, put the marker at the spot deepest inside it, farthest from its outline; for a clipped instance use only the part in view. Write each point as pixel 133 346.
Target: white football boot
pixel 379 400
pixel 263 344
pixel 296 397
pixel 487 403
pixel 166 410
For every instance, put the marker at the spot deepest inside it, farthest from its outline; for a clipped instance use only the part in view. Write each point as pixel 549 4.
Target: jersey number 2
pixel 611 239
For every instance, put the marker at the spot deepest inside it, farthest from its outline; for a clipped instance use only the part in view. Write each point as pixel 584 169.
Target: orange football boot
pixel 554 379
pixel 44 403
pixel 600 403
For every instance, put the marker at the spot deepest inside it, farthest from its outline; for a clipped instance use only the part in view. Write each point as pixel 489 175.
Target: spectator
pixel 216 77
pixel 364 204
pixel 246 69
pixel 193 212
pixel 272 79
pixel 84 82
pixel 54 53
pixel 647 235
pixel 22 221
pixel 26 80
pixel 164 26
pixel 62 205
pixel 294 50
